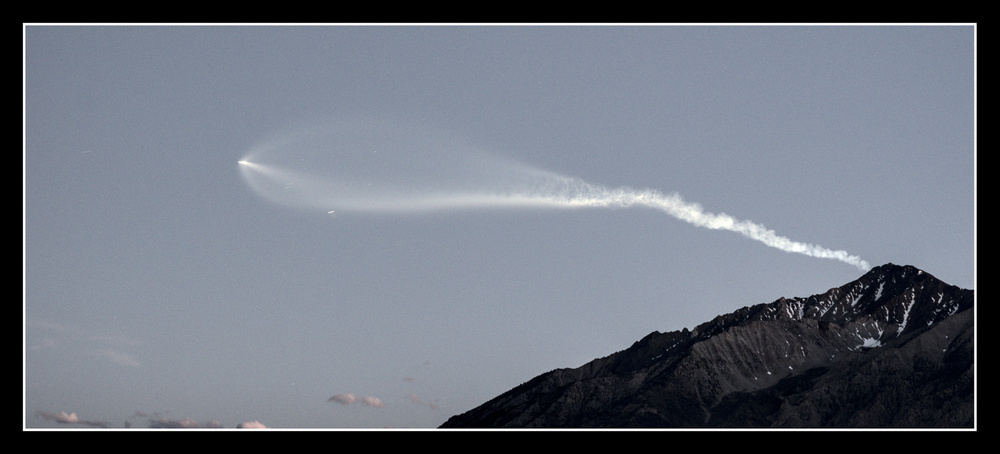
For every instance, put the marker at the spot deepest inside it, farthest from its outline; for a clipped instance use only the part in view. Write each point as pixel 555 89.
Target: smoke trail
pixel 588 195
pixel 356 167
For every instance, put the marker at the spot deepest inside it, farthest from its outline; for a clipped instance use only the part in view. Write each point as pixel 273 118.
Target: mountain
pixel 893 349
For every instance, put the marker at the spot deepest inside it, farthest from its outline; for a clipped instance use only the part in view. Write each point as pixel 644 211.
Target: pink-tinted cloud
pixel 251 425
pixel 348 398
pixel 60 417
pixel 71 418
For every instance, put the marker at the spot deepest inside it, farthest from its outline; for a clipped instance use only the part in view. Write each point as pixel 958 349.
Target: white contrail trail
pixel 384 170
pixel 588 195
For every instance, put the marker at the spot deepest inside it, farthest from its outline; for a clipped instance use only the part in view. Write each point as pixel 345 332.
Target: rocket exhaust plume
pixel 363 167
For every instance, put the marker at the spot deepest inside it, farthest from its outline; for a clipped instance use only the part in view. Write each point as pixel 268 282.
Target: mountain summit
pixel 893 348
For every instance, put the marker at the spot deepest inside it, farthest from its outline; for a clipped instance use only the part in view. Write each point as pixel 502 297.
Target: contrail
pixel 589 195
pixel 381 170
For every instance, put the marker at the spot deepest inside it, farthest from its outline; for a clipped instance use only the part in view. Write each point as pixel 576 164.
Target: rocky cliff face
pixel 891 349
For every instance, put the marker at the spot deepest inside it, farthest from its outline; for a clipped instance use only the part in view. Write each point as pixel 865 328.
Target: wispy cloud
pixel 416 400
pixel 116 357
pixel 81 334
pixel 185 423
pixel 100 345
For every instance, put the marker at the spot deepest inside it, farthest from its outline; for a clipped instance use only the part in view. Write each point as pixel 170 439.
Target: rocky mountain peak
pixel 892 348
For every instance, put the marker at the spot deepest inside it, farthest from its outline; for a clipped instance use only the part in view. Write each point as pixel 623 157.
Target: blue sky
pixel 161 289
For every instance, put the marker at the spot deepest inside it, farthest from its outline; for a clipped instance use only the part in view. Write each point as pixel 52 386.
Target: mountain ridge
pixel 849 357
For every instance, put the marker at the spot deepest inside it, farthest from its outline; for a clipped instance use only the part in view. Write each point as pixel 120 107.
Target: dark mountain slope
pixel 891 349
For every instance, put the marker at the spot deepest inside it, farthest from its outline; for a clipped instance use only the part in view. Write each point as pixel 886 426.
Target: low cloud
pixel 155 421
pixel 186 423
pixel 344 399
pixel 71 418
pixel 348 398
pixel 251 425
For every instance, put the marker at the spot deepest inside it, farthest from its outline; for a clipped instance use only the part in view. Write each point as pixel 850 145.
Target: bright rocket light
pixel 362 168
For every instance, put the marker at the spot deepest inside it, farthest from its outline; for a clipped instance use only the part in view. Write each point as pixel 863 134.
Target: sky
pixel 369 265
